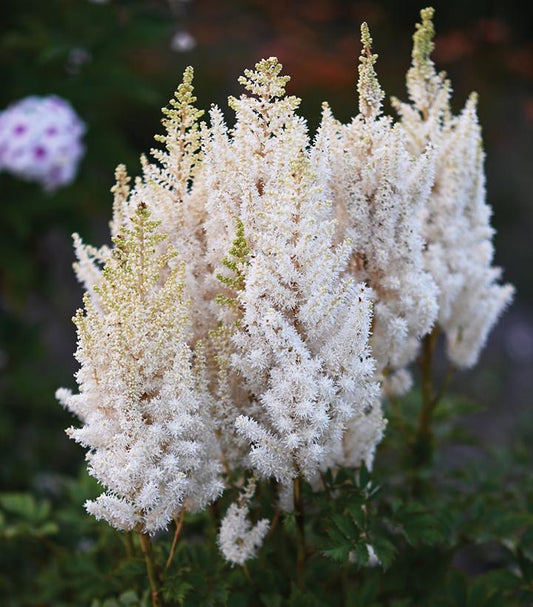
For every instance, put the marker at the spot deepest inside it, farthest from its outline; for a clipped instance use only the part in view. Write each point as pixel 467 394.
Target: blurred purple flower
pixel 182 42
pixel 40 140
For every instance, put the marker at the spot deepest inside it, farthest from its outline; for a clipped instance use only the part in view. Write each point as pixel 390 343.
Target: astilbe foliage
pixel 263 292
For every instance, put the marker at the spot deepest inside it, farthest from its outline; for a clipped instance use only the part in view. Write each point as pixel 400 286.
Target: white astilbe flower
pixel 379 191
pixel 174 186
pixel 144 404
pixel 40 140
pixel 363 434
pixel 456 220
pixel 301 342
pixel 238 539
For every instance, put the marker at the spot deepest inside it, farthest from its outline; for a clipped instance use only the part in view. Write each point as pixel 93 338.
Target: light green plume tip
pixel 370 93
pixel 184 94
pixel 423 38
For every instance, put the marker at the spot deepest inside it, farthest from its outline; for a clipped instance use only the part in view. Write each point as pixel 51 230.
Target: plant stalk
pixel 179 520
pixel 153 577
pixel 301 549
pixel 424 436
pixel 128 544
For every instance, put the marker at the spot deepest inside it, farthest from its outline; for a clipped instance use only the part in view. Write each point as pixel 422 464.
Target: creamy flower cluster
pixel 238 539
pixel 265 288
pixel 40 140
pixel 456 227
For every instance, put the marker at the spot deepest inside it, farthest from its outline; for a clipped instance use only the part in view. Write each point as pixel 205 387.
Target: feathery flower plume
pixel 142 400
pixel 308 274
pixel 301 342
pixel 456 217
pixel 379 191
pixel 174 186
pixel 238 539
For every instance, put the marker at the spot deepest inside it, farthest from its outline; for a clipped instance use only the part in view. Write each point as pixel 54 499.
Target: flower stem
pixel 153 578
pixel 424 436
pixel 179 524
pixel 300 532
pixel 128 544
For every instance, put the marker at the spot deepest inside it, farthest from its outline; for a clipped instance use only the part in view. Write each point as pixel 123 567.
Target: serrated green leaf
pixel 346 526
pixel 358 514
pixel 385 551
pixel 339 553
pixel 419 526
pixel 361 554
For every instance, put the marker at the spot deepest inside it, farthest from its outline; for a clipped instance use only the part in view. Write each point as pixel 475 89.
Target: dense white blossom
pixel 40 140
pixel 143 400
pixel 238 539
pixel 173 185
pixel 363 434
pixel 301 344
pixel 379 191
pixel 308 273
pixel 456 217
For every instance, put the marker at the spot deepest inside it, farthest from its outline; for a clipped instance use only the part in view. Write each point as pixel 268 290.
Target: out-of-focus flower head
pixel 182 42
pixel 41 140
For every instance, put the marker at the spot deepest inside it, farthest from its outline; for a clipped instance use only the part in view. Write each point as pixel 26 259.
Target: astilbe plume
pixel 174 184
pixel 379 191
pixel 238 538
pixel 456 217
pixel 144 405
pixel 308 273
pixel 301 341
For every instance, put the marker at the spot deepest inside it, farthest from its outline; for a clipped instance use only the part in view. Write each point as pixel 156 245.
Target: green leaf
pixel 361 554
pixel 457 589
pixel 346 526
pixel 358 514
pixel 385 551
pixel 512 523
pixel 271 600
pixel 364 476
pixel 525 564
pixel 303 599
pixel 25 506
pixel 339 553
pixel 419 525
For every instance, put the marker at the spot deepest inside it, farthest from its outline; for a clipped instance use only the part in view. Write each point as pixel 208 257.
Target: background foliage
pixel 454 531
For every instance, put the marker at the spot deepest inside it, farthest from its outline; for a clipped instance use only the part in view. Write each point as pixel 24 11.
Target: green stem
pixel 424 436
pixel 128 544
pixel 301 550
pixel 153 577
pixel 430 399
pixel 326 486
pixel 247 573
pixel 179 524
